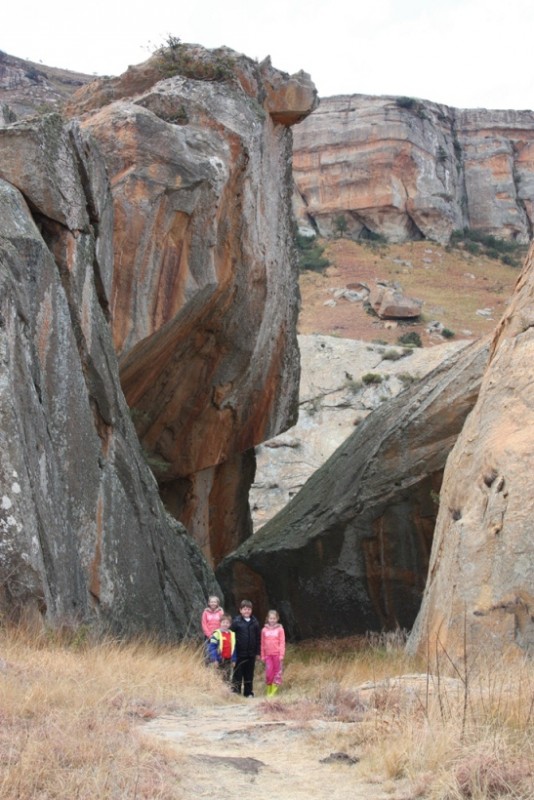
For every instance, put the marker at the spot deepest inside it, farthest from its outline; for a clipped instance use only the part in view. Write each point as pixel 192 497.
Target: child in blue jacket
pixel 221 648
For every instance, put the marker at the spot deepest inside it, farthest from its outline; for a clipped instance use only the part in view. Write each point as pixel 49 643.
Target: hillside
pixel 452 283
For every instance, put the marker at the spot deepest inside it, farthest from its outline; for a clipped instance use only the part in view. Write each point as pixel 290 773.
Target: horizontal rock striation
pixel 480 593
pixel 349 553
pixel 411 169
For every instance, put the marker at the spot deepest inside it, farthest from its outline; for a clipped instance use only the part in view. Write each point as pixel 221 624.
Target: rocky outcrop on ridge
pixel 146 257
pixel 350 552
pixel 411 169
pixel 480 590
pixel 28 88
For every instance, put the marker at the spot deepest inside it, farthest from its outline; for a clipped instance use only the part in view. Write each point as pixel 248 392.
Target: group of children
pixel 234 645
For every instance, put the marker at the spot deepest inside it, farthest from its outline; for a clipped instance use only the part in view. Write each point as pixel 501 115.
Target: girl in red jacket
pixel 273 648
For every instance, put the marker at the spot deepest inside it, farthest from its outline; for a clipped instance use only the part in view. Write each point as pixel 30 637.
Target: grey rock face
pixel 350 552
pixel 84 535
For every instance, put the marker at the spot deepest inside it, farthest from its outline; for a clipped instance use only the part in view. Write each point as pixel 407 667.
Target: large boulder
pixel 85 537
pixel 350 552
pixel 480 590
pixel 333 401
pixel 204 297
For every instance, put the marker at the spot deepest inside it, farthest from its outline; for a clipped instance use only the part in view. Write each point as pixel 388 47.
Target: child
pixel 222 648
pixel 210 621
pixel 211 616
pixel 273 648
pixel 247 646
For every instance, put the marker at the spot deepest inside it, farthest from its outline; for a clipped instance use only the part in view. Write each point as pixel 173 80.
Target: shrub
pixel 340 225
pixel 447 333
pixel 406 378
pixel 393 355
pixel 372 378
pixel 411 338
pixel 175 58
pixel 310 254
pixel 406 102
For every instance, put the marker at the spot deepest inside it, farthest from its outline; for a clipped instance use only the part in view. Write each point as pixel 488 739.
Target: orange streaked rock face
pixel 204 294
pixel 409 169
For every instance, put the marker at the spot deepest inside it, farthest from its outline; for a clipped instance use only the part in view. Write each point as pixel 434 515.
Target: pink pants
pixel 273 670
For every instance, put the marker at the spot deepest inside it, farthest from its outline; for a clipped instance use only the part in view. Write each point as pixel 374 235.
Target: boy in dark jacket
pixel 247 647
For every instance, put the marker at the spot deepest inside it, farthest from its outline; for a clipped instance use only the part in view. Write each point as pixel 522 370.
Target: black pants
pixel 244 674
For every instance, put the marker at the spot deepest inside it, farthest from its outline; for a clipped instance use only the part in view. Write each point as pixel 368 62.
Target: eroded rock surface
pixel 204 296
pixel 350 552
pixel 84 537
pixel 407 168
pixel 156 228
pixel 480 588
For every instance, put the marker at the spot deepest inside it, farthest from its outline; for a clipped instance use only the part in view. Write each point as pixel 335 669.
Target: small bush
pixel 447 333
pixel 406 378
pixel 372 378
pixel 412 339
pixel 393 355
pixel 310 254
pixel 175 58
pixel 406 102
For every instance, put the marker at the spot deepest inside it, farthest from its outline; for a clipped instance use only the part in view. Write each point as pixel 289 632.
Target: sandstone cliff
pixel 155 226
pixel 409 169
pixel 480 590
pixel 350 552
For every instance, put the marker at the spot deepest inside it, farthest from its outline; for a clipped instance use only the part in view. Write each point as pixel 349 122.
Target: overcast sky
pixel 464 53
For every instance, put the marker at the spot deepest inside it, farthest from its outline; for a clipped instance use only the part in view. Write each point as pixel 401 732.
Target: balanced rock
pixel 204 296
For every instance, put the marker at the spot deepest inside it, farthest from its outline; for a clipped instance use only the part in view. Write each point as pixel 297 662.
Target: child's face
pixel 225 624
pixel 213 603
pixel 246 612
pixel 272 619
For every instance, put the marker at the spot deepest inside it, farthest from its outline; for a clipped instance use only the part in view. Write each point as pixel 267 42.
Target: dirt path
pixel 239 750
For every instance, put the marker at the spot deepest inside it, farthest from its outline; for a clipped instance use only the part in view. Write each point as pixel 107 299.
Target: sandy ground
pixel 240 751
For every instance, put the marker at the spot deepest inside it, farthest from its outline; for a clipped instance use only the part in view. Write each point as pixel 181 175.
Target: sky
pixel 463 53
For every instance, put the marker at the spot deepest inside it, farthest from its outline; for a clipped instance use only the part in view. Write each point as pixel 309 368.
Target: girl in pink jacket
pixel 273 649
pixel 211 616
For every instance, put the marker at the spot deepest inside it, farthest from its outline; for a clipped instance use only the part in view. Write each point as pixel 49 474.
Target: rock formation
pixel 406 168
pixel 480 590
pixel 333 400
pixel 350 552
pixel 154 225
pixel 208 352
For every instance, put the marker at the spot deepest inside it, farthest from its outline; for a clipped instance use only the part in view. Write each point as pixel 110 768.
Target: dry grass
pixel 72 712
pixel 453 740
pixel 452 284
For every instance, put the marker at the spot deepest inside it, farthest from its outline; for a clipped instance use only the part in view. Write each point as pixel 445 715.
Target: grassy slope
pixel 452 284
